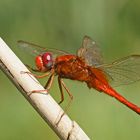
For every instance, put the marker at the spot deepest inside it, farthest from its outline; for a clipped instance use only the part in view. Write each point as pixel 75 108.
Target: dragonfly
pixel 85 66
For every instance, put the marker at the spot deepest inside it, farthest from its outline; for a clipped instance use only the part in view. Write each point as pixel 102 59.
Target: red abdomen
pixel 97 79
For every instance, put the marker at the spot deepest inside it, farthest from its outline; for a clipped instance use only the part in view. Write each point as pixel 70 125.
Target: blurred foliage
pixel 114 25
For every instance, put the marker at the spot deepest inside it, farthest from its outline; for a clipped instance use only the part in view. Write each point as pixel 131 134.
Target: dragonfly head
pixel 44 62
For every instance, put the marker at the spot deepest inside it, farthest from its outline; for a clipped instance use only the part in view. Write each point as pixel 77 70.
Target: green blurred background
pixel 115 25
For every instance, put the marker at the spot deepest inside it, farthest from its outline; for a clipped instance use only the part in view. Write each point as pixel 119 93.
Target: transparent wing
pixel 123 71
pixel 90 52
pixel 36 49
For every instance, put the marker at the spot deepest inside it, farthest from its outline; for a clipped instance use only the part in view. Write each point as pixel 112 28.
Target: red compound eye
pixel 39 63
pixel 47 60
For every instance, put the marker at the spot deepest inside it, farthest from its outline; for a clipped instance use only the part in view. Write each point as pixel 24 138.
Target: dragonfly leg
pixel 61 90
pixel 33 69
pixel 35 75
pixel 47 86
pixel 39 76
pixel 49 82
pixel 61 83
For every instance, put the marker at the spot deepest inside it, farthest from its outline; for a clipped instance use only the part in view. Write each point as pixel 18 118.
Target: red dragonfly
pixel 86 66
